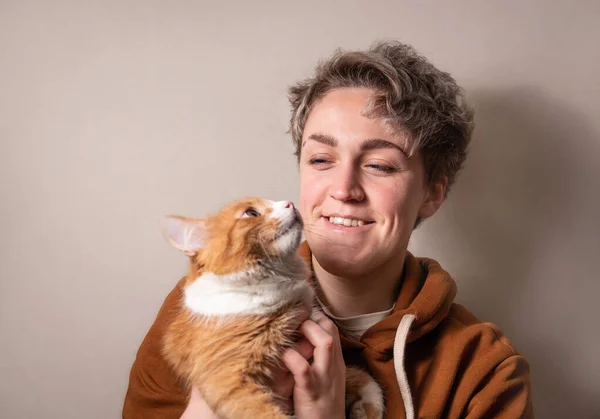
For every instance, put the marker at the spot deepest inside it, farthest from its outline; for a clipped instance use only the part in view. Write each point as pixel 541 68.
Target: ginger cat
pixel 240 309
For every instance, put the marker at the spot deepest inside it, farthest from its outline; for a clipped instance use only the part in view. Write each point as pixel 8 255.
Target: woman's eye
pixel 382 168
pixel 251 212
pixel 317 161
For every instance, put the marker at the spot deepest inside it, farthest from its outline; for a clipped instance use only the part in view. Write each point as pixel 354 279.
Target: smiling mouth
pixel 347 222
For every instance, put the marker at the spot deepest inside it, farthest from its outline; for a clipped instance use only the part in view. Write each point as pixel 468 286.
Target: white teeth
pixel 348 222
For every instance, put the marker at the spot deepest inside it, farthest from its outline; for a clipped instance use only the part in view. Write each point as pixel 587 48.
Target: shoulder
pixel 478 348
pixel 497 379
pixel 154 390
pixel 463 324
pixel 489 374
pixel 149 354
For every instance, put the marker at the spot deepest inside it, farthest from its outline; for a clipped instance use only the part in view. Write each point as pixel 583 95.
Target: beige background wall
pixel 113 113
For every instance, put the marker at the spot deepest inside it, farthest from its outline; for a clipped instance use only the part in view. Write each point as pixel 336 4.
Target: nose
pixel 345 184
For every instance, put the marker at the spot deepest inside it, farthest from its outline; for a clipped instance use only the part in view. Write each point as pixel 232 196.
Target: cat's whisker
pixel 261 243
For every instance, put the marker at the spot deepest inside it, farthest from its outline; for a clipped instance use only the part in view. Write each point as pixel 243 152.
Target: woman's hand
pixel 197 408
pixel 320 386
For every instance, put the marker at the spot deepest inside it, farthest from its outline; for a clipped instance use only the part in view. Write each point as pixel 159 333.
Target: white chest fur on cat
pixel 222 295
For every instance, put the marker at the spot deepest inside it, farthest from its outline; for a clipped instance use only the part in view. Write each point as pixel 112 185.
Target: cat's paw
pixel 365 410
pixel 369 403
pixel 364 398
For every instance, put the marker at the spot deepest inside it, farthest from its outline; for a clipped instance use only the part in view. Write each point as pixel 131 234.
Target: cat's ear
pixel 185 234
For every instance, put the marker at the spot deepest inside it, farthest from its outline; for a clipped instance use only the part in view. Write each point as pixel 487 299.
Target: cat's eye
pixel 251 212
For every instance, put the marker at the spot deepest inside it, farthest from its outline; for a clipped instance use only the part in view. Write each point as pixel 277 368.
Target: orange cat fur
pixel 241 307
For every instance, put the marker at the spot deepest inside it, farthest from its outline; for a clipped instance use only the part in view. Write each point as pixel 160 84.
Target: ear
pixel 185 234
pixel 434 198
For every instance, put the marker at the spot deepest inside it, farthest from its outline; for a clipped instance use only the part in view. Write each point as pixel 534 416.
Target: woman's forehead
pixel 338 119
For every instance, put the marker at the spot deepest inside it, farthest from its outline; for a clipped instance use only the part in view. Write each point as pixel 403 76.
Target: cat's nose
pixel 288 204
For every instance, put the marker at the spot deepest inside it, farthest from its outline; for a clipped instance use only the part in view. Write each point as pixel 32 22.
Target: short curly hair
pixel 410 96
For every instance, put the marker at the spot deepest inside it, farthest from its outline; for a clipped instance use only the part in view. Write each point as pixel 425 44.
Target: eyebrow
pixel 371 144
pixel 377 143
pixel 323 139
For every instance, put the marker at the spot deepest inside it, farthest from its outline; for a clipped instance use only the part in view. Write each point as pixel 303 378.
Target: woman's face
pixel 360 194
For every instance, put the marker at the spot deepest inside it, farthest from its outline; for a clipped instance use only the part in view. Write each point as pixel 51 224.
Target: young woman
pixel 380 136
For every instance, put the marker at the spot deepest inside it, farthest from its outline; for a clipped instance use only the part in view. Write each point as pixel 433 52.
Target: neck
pixel 373 292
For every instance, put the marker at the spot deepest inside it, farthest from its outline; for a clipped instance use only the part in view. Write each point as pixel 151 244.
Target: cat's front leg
pixel 244 399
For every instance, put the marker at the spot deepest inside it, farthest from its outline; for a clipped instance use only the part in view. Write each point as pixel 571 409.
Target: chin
pixel 340 259
pixel 342 267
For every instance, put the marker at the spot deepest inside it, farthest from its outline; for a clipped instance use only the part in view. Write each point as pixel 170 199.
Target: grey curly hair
pixel 410 96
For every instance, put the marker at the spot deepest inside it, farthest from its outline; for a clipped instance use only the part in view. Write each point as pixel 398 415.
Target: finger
pixel 326 323
pixel 283 386
pixel 324 343
pixel 305 311
pixel 298 366
pixel 300 316
pixel 304 348
pixel 283 379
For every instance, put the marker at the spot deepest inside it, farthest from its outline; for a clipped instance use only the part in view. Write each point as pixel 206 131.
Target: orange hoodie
pixel 431 356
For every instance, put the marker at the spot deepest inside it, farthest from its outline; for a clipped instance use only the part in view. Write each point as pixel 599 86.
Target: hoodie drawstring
pixel 399 347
